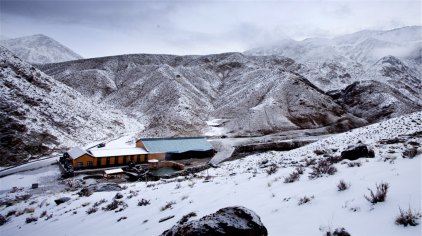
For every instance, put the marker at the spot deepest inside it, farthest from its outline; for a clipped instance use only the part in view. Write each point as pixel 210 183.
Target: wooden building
pixel 101 157
pixel 146 149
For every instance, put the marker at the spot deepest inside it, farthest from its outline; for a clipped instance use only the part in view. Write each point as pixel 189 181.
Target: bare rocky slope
pixel 39 49
pixel 39 114
pixel 250 95
pixel 176 95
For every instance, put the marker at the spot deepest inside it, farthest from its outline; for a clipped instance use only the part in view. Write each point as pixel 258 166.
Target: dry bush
pixel 304 200
pixel 272 170
pixel 408 217
pixel 91 210
pixel 96 204
pixel 186 217
pixel 114 205
pixel 380 195
pixel 337 232
pixel 31 219
pixel 341 186
pixel 324 166
pixel 143 202
pixel 169 205
pixel 294 176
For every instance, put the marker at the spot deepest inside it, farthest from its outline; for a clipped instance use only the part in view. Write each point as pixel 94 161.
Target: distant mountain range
pixel 331 85
pixel 39 49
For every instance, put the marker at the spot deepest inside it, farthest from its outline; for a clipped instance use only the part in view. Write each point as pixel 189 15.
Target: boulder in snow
pixel 236 220
pixel 61 200
pixel 357 152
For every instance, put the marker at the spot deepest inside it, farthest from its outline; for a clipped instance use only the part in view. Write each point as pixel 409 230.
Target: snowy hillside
pixel 255 95
pixel 39 49
pixel 304 206
pixel 40 115
pixel 335 63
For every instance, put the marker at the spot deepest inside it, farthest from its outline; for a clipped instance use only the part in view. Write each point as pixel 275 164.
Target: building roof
pixel 176 145
pixel 104 152
pixel 76 152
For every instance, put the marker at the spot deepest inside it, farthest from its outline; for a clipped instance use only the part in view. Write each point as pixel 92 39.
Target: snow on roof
pixel 113 171
pixel 176 145
pixel 76 152
pixel 102 152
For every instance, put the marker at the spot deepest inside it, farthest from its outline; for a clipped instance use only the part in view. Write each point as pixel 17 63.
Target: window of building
pixel 80 164
pixel 90 164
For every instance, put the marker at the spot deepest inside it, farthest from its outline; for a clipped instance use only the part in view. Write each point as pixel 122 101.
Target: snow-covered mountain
pixel 39 114
pixel 39 49
pixel 255 95
pixel 256 182
pixel 177 95
pixel 335 63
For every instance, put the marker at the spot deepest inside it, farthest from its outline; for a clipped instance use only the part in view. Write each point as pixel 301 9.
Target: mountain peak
pixel 39 49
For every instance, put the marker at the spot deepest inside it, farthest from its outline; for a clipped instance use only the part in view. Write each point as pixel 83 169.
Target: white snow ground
pixel 243 182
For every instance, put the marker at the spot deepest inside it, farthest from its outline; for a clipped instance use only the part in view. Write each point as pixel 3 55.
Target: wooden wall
pixel 121 160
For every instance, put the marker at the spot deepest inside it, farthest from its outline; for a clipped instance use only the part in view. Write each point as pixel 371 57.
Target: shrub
pixel 408 217
pixel 118 196
pixel 353 164
pixel 91 210
pixel 44 213
pixel 310 162
pixel 341 186
pixel 11 213
pixel 122 218
pixel 304 200
pixel 294 176
pixel 186 217
pixel 324 166
pixel 114 205
pixel 31 219
pixel 143 202
pixel 85 192
pixel 272 170
pixel 338 232
pixel 169 205
pixel 96 204
pixel 3 220
pixel 410 152
pixel 379 195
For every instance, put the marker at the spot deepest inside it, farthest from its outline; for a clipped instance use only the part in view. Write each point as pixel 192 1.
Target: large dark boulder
pixel 356 152
pixel 61 200
pixel 236 220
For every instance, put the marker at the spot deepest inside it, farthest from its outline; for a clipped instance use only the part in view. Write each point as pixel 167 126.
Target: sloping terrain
pixel 39 49
pixel 333 64
pixel 176 95
pixel 39 114
pixel 305 206
pixel 254 95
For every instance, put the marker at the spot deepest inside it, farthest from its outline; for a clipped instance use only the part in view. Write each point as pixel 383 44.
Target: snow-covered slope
pixel 255 95
pixel 335 63
pixel 177 95
pixel 246 182
pixel 40 114
pixel 39 49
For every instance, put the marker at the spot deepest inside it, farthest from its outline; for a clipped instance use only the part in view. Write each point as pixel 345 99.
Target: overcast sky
pixel 95 28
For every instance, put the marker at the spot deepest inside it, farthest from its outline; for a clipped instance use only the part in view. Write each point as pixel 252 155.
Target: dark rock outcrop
pixel 61 200
pixel 357 152
pixel 236 220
